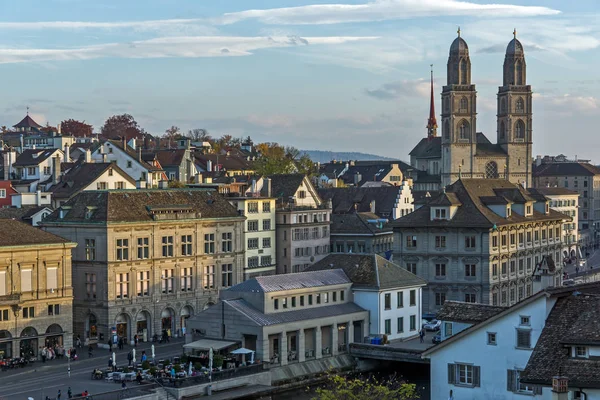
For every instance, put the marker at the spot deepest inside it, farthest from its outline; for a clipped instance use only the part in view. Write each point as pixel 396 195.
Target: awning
pixel 242 350
pixel 207 344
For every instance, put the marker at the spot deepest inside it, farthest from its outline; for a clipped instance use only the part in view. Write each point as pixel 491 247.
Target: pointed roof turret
pixel 431 122
pixel 27 122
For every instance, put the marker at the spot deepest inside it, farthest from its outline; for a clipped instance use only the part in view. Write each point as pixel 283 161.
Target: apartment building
pixel 36 295
pixel 147 260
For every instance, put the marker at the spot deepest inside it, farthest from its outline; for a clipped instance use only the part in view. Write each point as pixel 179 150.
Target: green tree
pixel 342 388
pixel 273 160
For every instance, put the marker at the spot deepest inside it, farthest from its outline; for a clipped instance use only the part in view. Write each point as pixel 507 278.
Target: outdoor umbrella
pixel 153 353
pixel 252 358
pixel 133 358
pixel 114 359
pixel 190 369
pixel 210 359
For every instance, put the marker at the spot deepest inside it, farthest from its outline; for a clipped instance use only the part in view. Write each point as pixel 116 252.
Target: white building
pixel 390 293
pixel 36 166
pixel 456 316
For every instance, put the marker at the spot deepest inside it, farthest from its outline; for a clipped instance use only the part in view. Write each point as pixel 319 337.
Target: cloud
pixel 74 25
pixel 164 47
pixel 501 48
pixel 381 10
pixel 567 104
pixel 394 90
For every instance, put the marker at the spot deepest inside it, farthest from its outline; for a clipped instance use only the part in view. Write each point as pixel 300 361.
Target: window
pixel 122 281
pixel 209 276
pixel 276 304
pixel 267 225
pixel 227 275
pixel 448 329
pixel 503 240
pixel 413 322
pixel 209 243
pixel 4 315
pixel 440 270
pixel 470 270
pixel 388 301
pixel 26 280
pixel 324 232
pixel 469 242
pixel 581 352
pixel 47 171
pixel 524 320
pixel 494 269
pixel 464 131
pixel 512 266
pixel 168 280
pixel 167 246
pixel 252 244
pixel 90 249
pixel 440 242
pixel 90 285
pixel 129 164
pixel 318 298
pixel 253 207
pixel 519 130
pixel 143 283
pixel 342 294
pixel 186 279
pixel 465 375
pixel 504 268
pixel 440 299
pixel 440 213
pixel 399 299
pixel 470 298
pixel 411 241
pixel 266 206
pixel 523 338
pixel 413 297
pixel 301 194
pixel 266 243
pixel 310 299
pixel 301 301
pixel 122 249
pixel 412 267
pixel 53 309
pixel 226 242
pixel 143 248
pixel 31 170
pixel 253 226
pixel 388 326
pixel 400 324
pixel 52 278
pixel 334 296
pixel 28 312
pixel 120 185
pixel 253 262
pixel 266 261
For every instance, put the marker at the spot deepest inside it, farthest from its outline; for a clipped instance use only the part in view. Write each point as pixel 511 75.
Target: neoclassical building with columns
pixel 462 150
pixel 147 260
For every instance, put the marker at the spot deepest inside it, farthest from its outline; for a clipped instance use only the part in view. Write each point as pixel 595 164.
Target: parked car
pixel 568 282
pixel 433 325
pixel 437 338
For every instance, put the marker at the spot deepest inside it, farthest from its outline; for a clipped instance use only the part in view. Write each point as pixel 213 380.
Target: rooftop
pixel 16 233
pixel 300 280
pixel 470 313
pixel 565 169
pixel 358 223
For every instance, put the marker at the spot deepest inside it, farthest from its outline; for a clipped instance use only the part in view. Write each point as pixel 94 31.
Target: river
pixel 412 373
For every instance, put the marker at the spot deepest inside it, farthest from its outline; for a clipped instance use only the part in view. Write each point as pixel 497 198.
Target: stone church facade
pixel 462 151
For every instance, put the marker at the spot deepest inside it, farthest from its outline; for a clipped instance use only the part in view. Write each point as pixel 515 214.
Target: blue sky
pixel 342 75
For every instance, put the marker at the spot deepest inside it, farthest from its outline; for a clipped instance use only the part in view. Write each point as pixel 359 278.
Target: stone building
pixel 148 259
pixel 464 151
pixel 36 296
pixel 360 233
pixel 302 222
pixel 481 241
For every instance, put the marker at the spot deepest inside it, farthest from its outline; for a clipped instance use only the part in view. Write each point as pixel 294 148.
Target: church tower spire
pixel 431 122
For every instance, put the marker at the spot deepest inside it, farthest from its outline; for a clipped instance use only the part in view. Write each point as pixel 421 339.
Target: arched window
pixel 464 104
pixel 463 130
pixel 491 170
pixel 519 72
pixel 503 106
pixel 520 130
pixel 519 106
pixel 502 130
pixel 447 130
pixel 463 72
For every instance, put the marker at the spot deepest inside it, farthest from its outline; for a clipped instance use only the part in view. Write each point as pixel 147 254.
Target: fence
pixel 131 391
pixel 216 376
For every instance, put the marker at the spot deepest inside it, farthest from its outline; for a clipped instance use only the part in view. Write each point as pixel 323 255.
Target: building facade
pixel 360 233
pixel 148 259
pixel 288 318
pixel 36 296
pixel 480 241
pixel 302 223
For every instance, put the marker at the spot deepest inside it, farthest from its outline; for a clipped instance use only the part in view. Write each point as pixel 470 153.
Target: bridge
pixel 387 353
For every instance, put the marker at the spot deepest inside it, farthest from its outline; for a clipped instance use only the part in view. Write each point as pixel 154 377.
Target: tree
pixel 273 160
pixel 76 128
pixel 119 126
pixel 343 388
pixel 171 136
pixel 199 135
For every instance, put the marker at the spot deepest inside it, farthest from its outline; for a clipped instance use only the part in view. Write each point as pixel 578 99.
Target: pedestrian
pixel 58 395
pixel 90 351
pixel 421 335
pixel 110 362
pixel 577 269
pixel 129 358
pixel 451 397
pixel 109 346
pixel 144 356
pixel 168 334
pixel 69 393
pixel 78 341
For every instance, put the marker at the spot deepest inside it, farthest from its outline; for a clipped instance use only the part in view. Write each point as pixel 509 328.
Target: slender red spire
pixel 431 122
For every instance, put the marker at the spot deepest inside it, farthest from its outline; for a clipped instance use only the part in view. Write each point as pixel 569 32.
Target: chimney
pixel 38 198
pixel 67 153
pixel 357 179
pixel 209 165
pixel 538 160
pixel 139 154
pixel 372 206
pixel 88 156
pixel 188 143
pixel 124 142
pixel 560 388
pixel 55 170
pixel 267 187
pixel 59 128
pixel 253 187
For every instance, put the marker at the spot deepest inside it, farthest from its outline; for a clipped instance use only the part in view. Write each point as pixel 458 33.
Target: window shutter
pixel 2 283
pixel 524 338
pixel 52 278
pixel 451 373
pixel 25 280
pixel 537 389
pixel 476 374
pixel 511 382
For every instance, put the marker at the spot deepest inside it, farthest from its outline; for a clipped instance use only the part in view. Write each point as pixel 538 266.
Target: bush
pixel 146 364
pixel 125 370
pixel 177 368
pixel 184 359
pixel 198 366
pixel 218 361
pixel 152 371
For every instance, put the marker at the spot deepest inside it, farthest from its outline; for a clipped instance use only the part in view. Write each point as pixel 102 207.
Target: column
pixel 334 339
pixel 301 345
pixel 349 334
pixel 318 343
pixel 266 343
pixel 283 349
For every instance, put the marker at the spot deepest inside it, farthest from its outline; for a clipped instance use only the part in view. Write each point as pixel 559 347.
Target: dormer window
pixel 547 208
pixel 581 352
pixel 528 210
pixel 508 212
pixel 440 213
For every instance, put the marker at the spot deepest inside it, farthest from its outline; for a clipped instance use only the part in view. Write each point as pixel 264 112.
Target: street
pixel 41 380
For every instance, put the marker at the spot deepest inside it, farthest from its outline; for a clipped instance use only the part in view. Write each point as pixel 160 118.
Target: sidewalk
pixel 100 358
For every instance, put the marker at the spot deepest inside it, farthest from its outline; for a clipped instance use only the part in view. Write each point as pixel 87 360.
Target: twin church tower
pixel 462 151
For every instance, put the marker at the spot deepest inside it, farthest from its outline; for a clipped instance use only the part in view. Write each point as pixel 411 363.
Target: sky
pixel 339 75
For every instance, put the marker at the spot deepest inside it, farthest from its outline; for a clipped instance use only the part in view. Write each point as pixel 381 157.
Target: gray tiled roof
pixel 352 199
pixel 549 191
pixel 33 157
pixel 368 271
pixel 565 169
pixel 357 223
pixel 300 280
pixel 428 148
pixel 16 233
pixel 470 313
pixel 305 314
pixel 283 186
